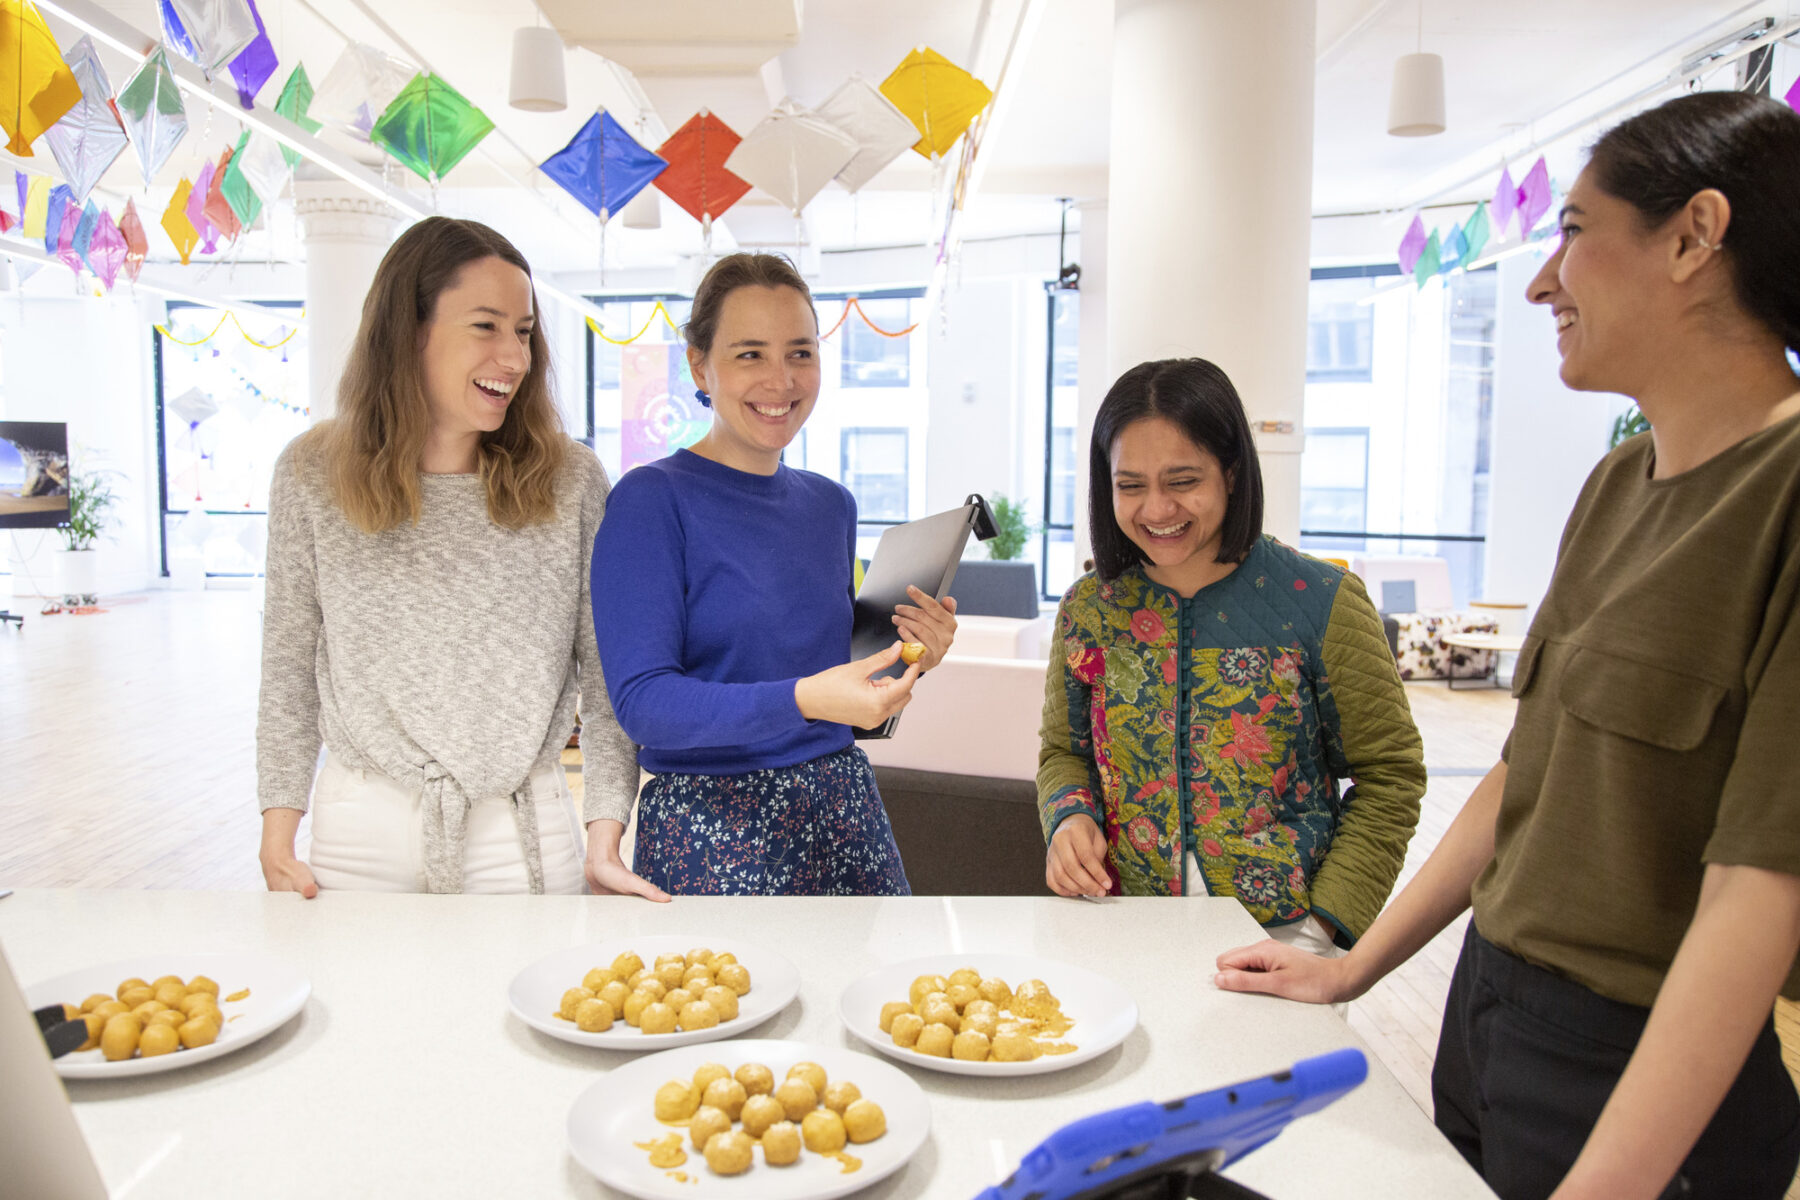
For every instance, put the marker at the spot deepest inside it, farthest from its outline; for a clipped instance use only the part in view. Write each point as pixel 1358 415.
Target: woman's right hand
pixel 281 870
pixel 1076 862
pixel 847 696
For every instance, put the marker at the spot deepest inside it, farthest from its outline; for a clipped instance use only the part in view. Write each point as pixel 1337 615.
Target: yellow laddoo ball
pixel 759 1113
pixel 707 1122
pixel 864 1121
pixel 823 1131
pixel 757 1079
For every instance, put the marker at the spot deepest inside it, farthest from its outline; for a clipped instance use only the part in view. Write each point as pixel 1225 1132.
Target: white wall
pixel 87 362
pixel 1546 440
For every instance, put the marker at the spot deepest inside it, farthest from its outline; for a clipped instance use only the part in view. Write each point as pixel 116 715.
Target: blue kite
pixel 603 166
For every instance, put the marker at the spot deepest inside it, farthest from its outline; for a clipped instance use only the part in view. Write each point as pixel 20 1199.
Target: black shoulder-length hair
pixel 1197 397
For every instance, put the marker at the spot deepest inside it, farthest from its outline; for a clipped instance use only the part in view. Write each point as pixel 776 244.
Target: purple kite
pixel 1506 201
pixel 1534 196
pixel 1412 245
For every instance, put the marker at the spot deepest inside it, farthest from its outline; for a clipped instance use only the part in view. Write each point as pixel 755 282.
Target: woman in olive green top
pixel 1209 687
pixel 1634 860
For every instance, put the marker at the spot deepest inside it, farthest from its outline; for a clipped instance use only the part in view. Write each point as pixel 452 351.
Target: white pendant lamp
pixel 537 70
pixel 1416 103
pixel 642 211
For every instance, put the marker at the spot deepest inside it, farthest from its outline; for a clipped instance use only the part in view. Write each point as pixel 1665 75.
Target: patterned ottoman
pixel 1423 654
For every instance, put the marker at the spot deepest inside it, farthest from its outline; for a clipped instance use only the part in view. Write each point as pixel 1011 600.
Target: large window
pixel 231 393
pixel 875 359
pixel 641 403
pixel 875 472
pixel 1334 470
pixel 1056 541
pixel 1340 332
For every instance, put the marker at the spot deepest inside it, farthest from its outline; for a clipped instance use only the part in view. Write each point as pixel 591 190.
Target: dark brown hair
pixel 726 276
pixel 1197 397
pixel 1748 147
pixel 372 448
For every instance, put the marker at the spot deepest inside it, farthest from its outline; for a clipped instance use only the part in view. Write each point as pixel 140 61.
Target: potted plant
pixel 91 500
pixel 1001 586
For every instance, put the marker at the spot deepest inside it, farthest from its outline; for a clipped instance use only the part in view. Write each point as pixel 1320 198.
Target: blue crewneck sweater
pixel 714 591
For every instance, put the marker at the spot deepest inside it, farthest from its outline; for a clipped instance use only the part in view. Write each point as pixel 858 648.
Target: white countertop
pixel 406 1075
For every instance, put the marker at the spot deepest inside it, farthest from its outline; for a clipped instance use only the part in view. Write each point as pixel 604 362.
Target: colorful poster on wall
pixel 659 412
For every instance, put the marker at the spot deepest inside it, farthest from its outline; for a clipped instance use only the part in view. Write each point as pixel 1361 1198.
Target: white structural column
pixel 346 233
pixel 1210 207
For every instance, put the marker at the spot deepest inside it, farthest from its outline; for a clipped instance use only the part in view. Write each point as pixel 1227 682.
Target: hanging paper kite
pixel 65 237
pixel 106 250
pixel 429 127
pixel 137 246
pixel 296 98
pixel 1506 201
pixel 193 407
pixel 1412 245
pixel 1455 251
pixel 791 155
pixel 881 132
pixel 7 221
pixel 84 235
pixel 217 30
pixel 358 89
pixel 1475 231
pixel 1534 196
pixel 36 86
pixel 217 208
pixel 939 97
pixel 253 65
pixel 154 115
pixel 236 191
pixel 60 200
pixel 174 35
pixel 1427 265
pixel 196 210
pixel 37 207
pixel 175 222
pixel 89 136
pixel 603 166
pixel 258 166
pixel 697 179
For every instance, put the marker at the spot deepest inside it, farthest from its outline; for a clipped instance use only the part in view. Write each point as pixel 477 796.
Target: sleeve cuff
pixel 1065 804
pixel 1342 937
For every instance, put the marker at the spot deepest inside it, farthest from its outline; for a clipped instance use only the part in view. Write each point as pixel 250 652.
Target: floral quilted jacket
pixel 1223 724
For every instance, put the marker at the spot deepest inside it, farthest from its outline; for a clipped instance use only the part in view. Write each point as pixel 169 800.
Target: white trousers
pixel 368 836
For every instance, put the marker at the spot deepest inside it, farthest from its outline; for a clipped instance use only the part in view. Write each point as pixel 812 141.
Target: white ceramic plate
pixel 616 1112
pixel 277 992
pixel 1103 1012
pixel 537 991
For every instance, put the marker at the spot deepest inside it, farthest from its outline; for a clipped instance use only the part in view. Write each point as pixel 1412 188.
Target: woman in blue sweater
pixel 722 604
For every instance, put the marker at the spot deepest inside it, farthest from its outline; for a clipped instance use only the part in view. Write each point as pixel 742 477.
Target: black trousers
pixel 1527 1059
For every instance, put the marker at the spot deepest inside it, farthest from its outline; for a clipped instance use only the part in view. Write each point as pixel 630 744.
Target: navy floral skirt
pixel 814 829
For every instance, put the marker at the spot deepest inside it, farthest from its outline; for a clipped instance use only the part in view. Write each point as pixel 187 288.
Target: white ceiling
pixel 1517 71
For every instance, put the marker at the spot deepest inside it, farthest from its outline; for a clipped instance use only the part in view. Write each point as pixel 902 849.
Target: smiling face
pixel 1607 286
pixel 1169 498
pixel 477 348
pixel 762 373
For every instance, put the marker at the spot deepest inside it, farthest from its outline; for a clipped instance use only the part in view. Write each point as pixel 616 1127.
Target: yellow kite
pixel 37 207
pixel 938 96
pixel 36 85
pixel 175 221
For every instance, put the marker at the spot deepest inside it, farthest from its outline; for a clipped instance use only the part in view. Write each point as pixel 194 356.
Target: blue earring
pixel 704 399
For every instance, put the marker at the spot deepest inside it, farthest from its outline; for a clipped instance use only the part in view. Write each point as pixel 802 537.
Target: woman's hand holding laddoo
pixel 929 623
pixel 848 696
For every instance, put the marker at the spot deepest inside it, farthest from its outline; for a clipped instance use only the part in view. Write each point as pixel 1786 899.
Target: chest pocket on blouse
pixel 1637 699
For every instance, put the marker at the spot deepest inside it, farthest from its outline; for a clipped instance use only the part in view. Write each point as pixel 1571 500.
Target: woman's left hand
pixel 606 871
pixel 928 622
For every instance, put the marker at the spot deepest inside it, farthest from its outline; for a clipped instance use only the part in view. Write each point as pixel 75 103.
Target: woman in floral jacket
pixel 1211 687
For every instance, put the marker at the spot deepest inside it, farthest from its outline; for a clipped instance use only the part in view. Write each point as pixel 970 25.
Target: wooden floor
pixel 127 760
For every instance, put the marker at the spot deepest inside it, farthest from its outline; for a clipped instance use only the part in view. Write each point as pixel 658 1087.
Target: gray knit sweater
pixel 448 655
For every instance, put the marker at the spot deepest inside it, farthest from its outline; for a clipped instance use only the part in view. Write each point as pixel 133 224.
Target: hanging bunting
pixel 36 85
pixel 937 96
pixel 89 136
pixel 295 101
pixel 253 65
pixel 1506 201
pixel 881 132
pixel 137 246
pixel 175 222
pixel 429 127
pixel 217 30
pixel 1455 251
pixel 696 177
pixel 153 113
pixel 603 166
pixel 1475 231
pixel 217 208
pixel 1413 244
pixel 1427 264
pixel 791 155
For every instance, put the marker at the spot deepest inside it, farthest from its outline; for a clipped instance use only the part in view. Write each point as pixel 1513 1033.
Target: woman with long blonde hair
pixel 427 616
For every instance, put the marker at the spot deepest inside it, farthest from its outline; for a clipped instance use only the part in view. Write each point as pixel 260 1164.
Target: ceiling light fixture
pixel 1416 103
pixel 537 70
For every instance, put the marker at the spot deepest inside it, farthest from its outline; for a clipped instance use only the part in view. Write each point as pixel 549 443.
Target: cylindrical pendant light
pixel 642 211
pixel 537 70
pixel 1416 104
